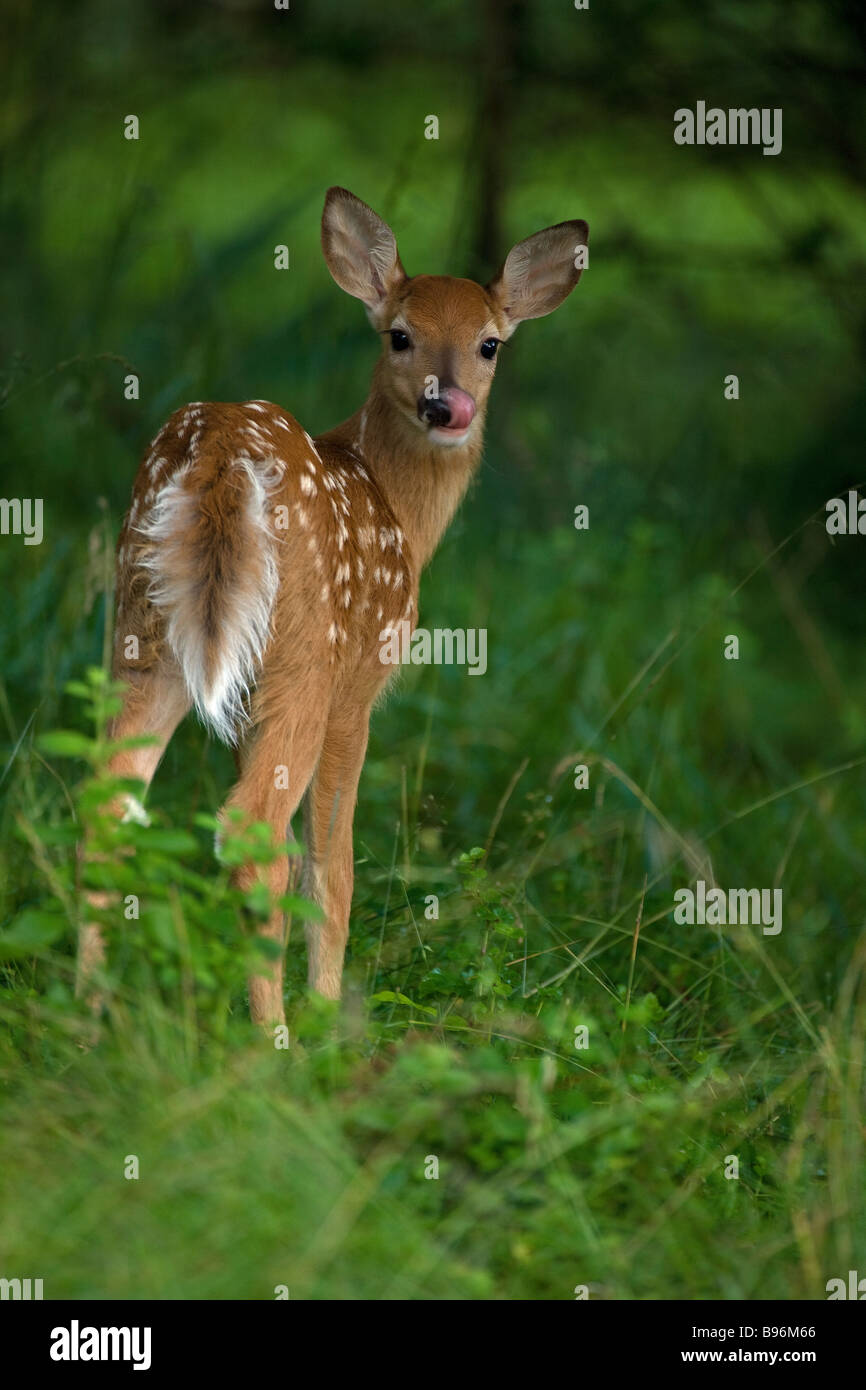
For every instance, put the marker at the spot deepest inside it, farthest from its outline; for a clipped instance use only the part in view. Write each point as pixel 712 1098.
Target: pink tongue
pixel 462 408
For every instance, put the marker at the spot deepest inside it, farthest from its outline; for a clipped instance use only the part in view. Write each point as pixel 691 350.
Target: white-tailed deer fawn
pixel 259 568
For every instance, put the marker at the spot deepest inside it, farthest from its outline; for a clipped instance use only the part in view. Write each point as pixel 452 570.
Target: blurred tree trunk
pixel 502 41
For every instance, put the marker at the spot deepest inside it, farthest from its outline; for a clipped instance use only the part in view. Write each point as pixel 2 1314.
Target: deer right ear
pixel 360 250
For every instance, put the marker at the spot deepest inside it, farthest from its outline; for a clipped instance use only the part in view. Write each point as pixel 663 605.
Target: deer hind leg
pixel 154 703
pixel 329 871
pixel 275 771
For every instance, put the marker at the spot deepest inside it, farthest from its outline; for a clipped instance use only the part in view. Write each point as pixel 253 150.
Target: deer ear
pixel 360 250
pixel 540 272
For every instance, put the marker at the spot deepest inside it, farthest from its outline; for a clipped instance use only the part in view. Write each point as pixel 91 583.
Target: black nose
pixel 433 411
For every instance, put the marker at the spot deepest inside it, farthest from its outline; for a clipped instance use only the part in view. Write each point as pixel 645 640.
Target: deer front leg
pixel 329 815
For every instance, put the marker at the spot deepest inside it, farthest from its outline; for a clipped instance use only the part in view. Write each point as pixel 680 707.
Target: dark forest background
pixel 155 257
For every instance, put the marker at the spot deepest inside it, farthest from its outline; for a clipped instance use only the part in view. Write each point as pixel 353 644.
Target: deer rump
pixel 210 552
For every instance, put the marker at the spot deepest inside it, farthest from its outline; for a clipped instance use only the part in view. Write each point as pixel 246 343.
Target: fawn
pixel 261 569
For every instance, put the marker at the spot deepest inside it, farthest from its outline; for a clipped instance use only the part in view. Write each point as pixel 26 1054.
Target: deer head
pixel 441 335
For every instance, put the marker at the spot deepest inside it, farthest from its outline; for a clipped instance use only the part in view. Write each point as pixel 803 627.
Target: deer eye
pixel 399 340
pixel 489 346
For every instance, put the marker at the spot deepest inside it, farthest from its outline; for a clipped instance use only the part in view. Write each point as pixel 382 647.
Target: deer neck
pixel 423 483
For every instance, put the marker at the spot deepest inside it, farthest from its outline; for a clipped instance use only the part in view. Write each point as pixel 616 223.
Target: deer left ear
pixel 540 272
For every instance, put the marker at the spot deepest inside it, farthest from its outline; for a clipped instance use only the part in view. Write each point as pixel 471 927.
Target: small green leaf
pixel 301 907
pixel 30 934
pixel 169 841
pixel 66 743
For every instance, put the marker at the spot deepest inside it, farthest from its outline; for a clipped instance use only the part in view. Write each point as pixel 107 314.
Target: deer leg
pixel 154 703
pixel 329 871
pixel 276 772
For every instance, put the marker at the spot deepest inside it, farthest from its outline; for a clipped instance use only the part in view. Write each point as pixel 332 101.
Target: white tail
pixel 217 623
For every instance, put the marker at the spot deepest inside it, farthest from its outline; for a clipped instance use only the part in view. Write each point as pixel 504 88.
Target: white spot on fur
pixel 312 446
